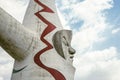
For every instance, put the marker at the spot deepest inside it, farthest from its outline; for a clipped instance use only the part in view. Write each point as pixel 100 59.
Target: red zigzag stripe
pixel 56 74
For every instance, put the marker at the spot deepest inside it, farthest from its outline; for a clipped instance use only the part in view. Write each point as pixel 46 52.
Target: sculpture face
pixel 62 44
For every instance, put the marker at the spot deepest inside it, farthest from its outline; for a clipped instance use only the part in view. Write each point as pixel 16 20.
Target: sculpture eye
pixel 65 41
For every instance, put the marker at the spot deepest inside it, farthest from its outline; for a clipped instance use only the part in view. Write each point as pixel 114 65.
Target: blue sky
pixel 96 28
pixel 114 13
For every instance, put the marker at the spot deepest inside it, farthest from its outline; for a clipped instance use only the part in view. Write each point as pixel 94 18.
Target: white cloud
pixel 16 8
pixel 114 31
pixel 92 13
pixel 63 21
pixel 6 65
pixel 1 78
pixel 98 65
pixel 85 38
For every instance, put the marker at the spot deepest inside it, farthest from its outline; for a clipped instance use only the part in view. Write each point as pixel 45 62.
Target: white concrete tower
pixel 40 46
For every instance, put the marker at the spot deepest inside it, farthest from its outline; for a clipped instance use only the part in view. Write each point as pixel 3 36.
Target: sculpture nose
pixel 71 51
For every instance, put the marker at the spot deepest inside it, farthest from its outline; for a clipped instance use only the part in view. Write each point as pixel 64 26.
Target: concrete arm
pixel 14 37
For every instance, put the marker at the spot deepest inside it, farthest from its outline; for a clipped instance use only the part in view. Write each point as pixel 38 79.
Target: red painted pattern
pixel 56 74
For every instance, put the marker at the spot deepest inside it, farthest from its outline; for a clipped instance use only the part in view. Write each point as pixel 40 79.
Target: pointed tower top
pixel 35 23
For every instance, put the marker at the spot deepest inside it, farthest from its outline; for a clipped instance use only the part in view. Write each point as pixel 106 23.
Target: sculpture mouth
pixel 71 57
